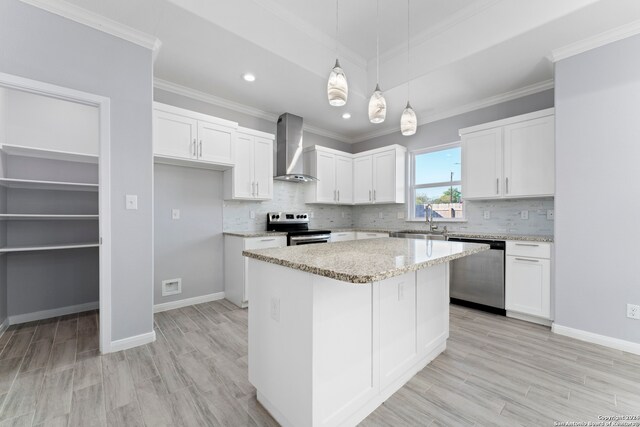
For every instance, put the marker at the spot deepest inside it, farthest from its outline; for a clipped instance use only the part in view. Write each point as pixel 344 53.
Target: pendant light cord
pixel 377 42
pixel 337 33
pixel 408 49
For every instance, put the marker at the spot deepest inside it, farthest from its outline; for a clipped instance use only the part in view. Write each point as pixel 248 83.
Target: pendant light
pixel 337 88
pixel 408 121
pixel 377 103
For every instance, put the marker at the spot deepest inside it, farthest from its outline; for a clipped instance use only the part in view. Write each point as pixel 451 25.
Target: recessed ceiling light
pixel 346 116
pixel 249 77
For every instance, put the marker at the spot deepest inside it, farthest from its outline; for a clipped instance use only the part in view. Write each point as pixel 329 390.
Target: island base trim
pixel 272 410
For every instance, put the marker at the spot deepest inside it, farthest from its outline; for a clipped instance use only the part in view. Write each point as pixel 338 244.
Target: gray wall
pixel 190 248
pixel 39 45
pixel 597 152
pixel 244 120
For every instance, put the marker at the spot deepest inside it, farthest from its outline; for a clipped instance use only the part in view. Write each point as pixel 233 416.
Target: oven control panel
pixel 288 217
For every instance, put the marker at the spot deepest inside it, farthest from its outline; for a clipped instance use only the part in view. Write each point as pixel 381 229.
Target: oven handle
pixel 310 237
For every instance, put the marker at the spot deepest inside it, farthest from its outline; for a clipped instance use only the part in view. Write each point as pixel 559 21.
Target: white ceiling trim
pixel 610 36
pixel 98 22
pixel 472 106
pixel 238 107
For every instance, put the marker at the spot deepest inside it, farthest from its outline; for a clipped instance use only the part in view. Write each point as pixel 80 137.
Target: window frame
pixel 412 187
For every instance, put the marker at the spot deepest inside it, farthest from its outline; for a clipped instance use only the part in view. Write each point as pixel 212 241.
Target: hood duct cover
pixel 289 150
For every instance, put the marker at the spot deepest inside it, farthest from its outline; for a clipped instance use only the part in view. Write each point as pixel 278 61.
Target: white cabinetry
pixel 343 236
pixel 252 176
pixel 375 176
pixel 528 279
pixel 235 265
pixel 334 170
pixel 379 175
pixel 513 157
pixel 182 135
pixel 361 235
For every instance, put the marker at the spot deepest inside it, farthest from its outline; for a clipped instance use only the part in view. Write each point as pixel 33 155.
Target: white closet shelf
pixel 7 217
pixel 31 184
pixel 19 150
pixel 9 249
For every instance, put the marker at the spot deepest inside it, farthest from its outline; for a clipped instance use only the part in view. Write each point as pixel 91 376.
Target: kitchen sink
pixel 413 234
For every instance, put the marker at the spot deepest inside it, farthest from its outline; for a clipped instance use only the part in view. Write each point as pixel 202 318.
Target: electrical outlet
pixel 252 214
pixel 342 214
pixel 171 287
pixel 275 309
pixel 400 215
pixel 131 202
pixel 380 215
pixel 311 214
pixel 524 214
pixel 486 214
pixel 550 214
pixel 633 311
pixel 175 213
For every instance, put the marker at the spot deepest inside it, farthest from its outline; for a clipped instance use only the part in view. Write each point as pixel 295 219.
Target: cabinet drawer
pixel 529 249
pixel 265 242
pixel 343 236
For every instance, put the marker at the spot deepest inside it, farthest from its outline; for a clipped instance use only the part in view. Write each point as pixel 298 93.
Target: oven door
pixel 309 239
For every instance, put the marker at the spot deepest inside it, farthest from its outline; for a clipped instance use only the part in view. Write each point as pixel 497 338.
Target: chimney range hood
pixel 289 150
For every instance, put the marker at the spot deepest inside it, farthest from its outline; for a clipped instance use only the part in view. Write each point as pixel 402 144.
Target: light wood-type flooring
pixel 495 371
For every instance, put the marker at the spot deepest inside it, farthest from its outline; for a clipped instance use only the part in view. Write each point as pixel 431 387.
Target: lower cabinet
pixel 528 279
pixel 361 235
pixel 343 236
pixel 235 265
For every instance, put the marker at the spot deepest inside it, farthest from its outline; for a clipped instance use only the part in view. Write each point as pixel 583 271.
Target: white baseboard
pixel 618 344
pixel 135 341
pixel 3 326
pixel 187 302
pixel 529 318
pixel 55 312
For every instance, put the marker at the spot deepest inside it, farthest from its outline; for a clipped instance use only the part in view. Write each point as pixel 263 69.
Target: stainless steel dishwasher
pixel 478 280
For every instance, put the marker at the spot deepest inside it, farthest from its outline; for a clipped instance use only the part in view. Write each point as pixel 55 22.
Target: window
pixel 436 180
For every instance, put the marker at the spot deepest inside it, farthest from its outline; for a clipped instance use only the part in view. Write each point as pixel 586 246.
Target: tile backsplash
pixel 505 214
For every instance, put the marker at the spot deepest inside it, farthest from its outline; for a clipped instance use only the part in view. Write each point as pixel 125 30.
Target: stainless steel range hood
pixel 289 150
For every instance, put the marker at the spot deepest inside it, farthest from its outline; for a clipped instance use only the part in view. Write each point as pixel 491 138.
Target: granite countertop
pixel 366 261
pixel 463 234
pixel 254 233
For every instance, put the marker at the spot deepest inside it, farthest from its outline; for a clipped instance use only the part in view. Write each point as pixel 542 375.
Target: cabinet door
pixel 263 168
pixel 398 345
pixel 215 143
pixel 257 243
pixel 243 180
pixel 174 135
pixel 363 180
pixel 384 177
pixel 529 165
pixel 528 286
pixel 344 180
pixel 326 185
pixel 482 164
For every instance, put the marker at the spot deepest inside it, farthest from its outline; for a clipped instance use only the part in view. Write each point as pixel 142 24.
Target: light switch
pixel 132 202
pixel 550 214
pixel 175 213
pixel 486 215
pixel 524 214
pixel 252 214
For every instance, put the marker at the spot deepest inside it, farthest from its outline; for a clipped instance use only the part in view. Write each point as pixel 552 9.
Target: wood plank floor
pixel 495 371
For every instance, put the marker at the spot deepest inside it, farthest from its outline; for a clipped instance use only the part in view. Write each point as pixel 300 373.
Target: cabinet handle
pixel 195 148
pixel 526 259
pixel 374 195
pixel 369 195
pixel 507 184
pixel 200 149
pixel 497 185
pixel 253 188
pixel 335 198
pixel 338 195
pixel 257 188
pixel 527 244
pixel 267 240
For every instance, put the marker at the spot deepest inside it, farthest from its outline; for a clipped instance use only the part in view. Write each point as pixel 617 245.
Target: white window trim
pixel 411 187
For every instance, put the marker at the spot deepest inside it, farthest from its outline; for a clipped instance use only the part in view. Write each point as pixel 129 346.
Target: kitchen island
pixel 337 328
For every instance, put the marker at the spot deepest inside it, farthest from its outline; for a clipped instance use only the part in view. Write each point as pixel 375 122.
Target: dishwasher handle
pixel 500 245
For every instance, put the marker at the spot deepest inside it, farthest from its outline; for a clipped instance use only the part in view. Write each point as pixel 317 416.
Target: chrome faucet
pixel 428 214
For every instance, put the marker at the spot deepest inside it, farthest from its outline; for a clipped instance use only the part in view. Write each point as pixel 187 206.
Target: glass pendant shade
pixel 337 88
pixel 377 106
pixel 408 122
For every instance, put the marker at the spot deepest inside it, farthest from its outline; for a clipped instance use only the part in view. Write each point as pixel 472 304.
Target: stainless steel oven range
pixel 296 224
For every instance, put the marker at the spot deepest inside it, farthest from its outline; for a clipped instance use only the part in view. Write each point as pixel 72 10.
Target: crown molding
pixel 98 22
pixel 472 106
pixel 238 107
pixel 604 38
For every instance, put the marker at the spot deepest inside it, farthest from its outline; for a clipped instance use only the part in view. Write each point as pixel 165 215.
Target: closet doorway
pixel 55 235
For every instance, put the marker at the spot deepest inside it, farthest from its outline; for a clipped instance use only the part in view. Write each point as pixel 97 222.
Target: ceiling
pixel 464 53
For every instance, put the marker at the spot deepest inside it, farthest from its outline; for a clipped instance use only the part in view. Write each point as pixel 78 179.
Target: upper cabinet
pixel 375 176
pixel 252 176
pixel 334 170
pixel 181 135
pixel 512 158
